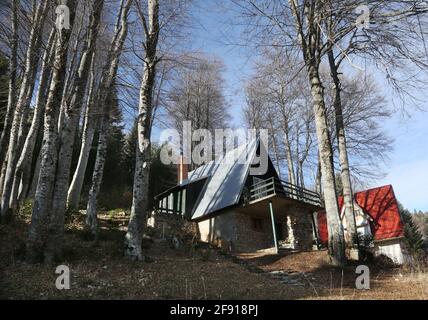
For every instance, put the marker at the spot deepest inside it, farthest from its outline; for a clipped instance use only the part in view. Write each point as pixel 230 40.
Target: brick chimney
pixel 182 171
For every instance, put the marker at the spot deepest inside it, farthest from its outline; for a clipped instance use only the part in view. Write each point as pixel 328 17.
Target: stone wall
pixel 300 231
pixel 236 230
pixel 248 238
pixel 296 229
pixel 219 230
pixel 169 224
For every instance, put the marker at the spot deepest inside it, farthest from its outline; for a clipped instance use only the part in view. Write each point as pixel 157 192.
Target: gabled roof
pixel 382 207
pixel 226 179
pixel 202 171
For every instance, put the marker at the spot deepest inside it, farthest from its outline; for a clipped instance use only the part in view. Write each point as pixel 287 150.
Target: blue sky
pixel 407 169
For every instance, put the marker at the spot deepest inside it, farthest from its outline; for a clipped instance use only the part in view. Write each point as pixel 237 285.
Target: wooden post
pixel 273 226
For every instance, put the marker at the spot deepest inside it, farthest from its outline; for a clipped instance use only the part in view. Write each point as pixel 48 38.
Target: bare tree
pixel 196 95
pixel 42 199
pixel 364 111
pixel 26 89
pixel 299 26
pixel 343 36
pixel 89 124
pixel 67 133
pixel 282 90
pixel 107 81
pixel 13 68
pixel 23 168
pixel 139 208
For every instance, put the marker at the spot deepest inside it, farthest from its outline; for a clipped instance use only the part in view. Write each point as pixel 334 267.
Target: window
pixel 257 224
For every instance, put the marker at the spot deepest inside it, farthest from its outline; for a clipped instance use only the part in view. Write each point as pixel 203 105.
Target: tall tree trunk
pixel 310 43
pixel 67 137
pixel 318 184
pixel 289 156
pixel 13 65
pixel 345 175
pixel 36 172
pixel 308 143
pixel 336 239
pixel 107 81
pixel 42 199
pixel 23 167
pixel 275 147
pixel 298 178
pixel 139 207
pixel 97 177
pixel 27 84
pixel 90 119
pixel 2 177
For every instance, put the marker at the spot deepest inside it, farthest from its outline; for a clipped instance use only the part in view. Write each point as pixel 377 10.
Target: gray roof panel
pixel 228 177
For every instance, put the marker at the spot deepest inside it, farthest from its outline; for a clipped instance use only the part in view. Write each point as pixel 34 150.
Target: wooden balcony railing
pixel 273 186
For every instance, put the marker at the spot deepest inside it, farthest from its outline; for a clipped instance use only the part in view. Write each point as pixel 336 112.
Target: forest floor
pixel 99 271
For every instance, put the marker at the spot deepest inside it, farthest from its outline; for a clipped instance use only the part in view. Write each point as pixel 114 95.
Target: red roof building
pixel 380 206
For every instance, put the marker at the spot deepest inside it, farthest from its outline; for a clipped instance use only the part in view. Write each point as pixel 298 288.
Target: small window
pixel 257 224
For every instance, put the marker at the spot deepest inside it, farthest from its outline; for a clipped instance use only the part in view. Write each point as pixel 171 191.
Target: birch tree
pixel 67 133
pixel 97 177
pixel 49 152
pixel 13 67
pixel 89 124
pixel 94 108
pixel 23 168
pixel 139 207
pixel 281 87
pixel 107 81
pixel 280 23
pixel 27 85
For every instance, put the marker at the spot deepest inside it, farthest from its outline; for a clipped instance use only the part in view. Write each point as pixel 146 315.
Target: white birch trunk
pixel 23 167
pixel 139 207
pixel 42 198
pixel 4 139
pixel 76 185
pixel 2 176
pixel 97 177
pixel 109 74
pixel 27 84
pixel 67 136
pixel 318 178
pixel 35 178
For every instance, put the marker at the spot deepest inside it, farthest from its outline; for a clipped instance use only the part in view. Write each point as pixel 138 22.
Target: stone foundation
pixel 250 239
pixel 236 230
pixel 219 230
pixel 169 224
pixel 300 226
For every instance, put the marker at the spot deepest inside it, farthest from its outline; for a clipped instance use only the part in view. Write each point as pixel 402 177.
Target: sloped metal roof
pixel 226 179
pixel 203 171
